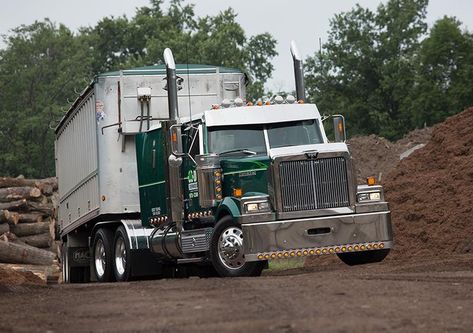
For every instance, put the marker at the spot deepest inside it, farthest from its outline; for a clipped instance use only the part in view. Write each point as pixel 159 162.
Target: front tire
pixel 361 258
pixel 121 256
pixel 102 255
pixel 226 251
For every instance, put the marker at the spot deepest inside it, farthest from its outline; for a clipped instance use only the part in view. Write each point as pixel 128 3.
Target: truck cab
pixel 263 182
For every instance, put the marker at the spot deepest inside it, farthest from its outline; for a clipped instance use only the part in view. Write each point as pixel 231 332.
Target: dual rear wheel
pixel 111 255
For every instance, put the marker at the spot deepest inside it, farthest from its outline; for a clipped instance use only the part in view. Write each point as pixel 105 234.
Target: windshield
pixel 237 140
pixel 295 133
pixel 250 140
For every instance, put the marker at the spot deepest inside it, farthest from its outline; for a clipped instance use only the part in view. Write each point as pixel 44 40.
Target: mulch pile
pixel 377 156
pixel 10 276
pixel 430 193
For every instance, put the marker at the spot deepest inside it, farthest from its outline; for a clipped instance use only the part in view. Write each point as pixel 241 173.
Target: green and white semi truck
pixel 168 170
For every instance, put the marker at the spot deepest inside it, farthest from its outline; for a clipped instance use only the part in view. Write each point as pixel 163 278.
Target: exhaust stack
pixel 171 84
pixel 174 186
pixel 298 72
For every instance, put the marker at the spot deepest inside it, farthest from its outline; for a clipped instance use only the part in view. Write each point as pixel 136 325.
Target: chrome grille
pixel 314 184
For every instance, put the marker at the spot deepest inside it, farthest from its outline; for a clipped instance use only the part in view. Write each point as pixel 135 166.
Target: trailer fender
pixel 138 236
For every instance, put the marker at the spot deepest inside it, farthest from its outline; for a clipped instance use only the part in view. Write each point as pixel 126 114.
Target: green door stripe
pixel 151 184
pixel 241 171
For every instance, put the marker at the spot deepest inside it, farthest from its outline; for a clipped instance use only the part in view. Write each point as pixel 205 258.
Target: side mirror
pixel 339 128
pixel 176 140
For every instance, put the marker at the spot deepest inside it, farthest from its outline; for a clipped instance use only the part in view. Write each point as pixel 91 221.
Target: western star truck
pixel 167 170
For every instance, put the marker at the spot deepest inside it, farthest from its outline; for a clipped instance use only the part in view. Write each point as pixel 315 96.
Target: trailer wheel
pixel 121 255
pixel 103 255
pixel 226 251
pixel 361 258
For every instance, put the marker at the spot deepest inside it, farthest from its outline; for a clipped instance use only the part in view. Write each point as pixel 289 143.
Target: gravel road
pixel 428 295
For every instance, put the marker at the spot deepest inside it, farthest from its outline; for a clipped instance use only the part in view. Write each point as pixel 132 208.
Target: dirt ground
pixel 420 295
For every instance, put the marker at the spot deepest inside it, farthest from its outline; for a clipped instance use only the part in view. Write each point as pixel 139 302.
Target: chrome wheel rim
pixel 120 256
pixel 230 248
pixel 99 258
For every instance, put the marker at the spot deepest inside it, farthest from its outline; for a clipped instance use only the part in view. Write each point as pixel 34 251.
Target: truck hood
pixel 321 148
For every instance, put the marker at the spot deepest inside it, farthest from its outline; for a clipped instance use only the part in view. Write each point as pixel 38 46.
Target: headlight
pixel 370 196
pixel 256 207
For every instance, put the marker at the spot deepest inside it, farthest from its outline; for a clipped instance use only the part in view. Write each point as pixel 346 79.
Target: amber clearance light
pixel 371 180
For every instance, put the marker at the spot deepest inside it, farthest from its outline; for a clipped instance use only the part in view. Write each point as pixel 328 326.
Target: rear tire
pixel 226 251
pixel 102 255
pixel 361 258
pixel 121 256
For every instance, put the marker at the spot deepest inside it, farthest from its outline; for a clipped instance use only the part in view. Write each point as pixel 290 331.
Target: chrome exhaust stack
pixel 165 240
pixel 298 72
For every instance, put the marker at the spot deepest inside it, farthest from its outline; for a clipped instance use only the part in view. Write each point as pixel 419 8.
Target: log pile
pixel 28 220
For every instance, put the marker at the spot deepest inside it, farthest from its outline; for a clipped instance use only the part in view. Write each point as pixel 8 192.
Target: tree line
pixel 387 73
pixel 383 69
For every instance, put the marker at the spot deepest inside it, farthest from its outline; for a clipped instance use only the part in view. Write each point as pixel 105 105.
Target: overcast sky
pixel 302 20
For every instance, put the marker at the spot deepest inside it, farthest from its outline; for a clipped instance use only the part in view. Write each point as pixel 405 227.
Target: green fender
pixel 228 206
pixel 231 206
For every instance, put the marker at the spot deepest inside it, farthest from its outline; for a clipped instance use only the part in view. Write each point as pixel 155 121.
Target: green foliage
pixel 44 67
pixel 385 75
pixel 40 68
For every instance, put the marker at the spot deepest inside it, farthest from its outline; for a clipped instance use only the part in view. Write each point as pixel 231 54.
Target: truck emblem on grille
pixel 311 155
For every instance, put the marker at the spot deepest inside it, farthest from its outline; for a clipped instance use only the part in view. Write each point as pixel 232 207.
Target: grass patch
pixel 284 264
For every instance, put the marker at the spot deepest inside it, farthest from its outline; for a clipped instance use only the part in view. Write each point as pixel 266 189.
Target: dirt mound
pixel 377 156
pixel 430 192
pixel 10 276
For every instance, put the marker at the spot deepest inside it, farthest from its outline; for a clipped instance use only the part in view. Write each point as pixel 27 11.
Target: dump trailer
pixel 168 170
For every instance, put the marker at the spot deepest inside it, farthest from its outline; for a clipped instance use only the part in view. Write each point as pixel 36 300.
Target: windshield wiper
pixel 236 151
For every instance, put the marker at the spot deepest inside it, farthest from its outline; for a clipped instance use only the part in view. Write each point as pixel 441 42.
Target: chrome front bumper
pixel 317 235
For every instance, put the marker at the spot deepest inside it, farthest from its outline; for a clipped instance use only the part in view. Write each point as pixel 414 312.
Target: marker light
pixel 237 192
pixel 371 180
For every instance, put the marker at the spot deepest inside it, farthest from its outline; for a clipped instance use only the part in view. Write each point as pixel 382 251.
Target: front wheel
pixel 360 258
pixel 226 251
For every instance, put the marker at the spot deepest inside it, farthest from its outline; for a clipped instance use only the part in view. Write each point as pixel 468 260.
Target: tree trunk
pixel 30 217
pixel 42 240
pixel 9 217
pixel 46 209
pixel 16 193
pixel 4 228
pixel 24 254
pixel 14 205
pixel 20 182
pixel 29 229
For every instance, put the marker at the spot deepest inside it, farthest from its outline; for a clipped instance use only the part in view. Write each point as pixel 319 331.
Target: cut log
pixel 43 240
pixel 14 205
pixel 46 185
pixel 30 217
pixel 9 217
pixel 9 237
pixel 16 193
pixel 4 228
pixel 23 254
pixel 29 229
pixel 46 209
